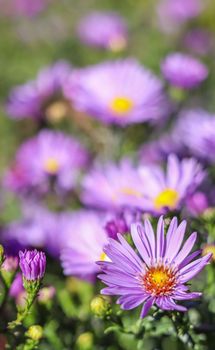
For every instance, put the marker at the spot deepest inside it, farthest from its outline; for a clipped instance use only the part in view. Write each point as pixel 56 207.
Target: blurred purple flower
pixel 119 186
pixel 183 71
pixel 85 240
pixel 174 13
pixel 32 264
pixel 158 273
pixel 195 129
pixel 38 228
pixel 50 159
pixel 199 41
pixel 158 150
pixel 197 203
pixel 42 97
pixel 103 29
pixel 16 288
pixel 10 264
pixel 169 189
pixel 120 223
pixel 130 93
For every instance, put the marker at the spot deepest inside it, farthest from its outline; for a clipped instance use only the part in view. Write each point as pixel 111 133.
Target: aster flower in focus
pixel 169 189
pixel 82 250
pixel 32 264
pixel 195 129
pixel 120 92
pixel 173 14
pixel 157 274
pixel 43 97
pixel 119 186
pixel 50 159
pixel 103 29
pixel 183 71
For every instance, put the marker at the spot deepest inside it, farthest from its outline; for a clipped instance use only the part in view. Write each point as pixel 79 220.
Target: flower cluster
pixel 108 158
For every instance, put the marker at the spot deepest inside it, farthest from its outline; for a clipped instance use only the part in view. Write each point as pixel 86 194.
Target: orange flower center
pixel 159 280
pixel 121 105
pixel 167 198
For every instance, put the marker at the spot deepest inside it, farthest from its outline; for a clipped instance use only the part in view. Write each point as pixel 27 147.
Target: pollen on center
pixel 167 198
pixel 159 280
pixel 121 106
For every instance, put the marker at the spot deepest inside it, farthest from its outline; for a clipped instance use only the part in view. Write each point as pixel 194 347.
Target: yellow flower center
pixel 159 280
pixel 56 111
pixel 117 44
pixel 121 105
pixel 129 191
pixel 167 198
pixel 51 166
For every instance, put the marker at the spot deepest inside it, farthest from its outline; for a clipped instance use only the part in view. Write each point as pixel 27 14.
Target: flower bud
pixel 100 306
pixel 35 332
pixel 85 341
pixel 32 264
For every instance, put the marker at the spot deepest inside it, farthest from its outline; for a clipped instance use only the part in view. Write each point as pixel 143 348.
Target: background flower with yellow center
pixel 168 189
pixel 118 92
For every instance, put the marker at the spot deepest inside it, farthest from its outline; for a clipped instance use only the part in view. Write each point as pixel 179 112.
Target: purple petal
pixel 193 268
pixel 146 307
pixel 160 238
pixel 188 245
pixel 176 241
pixel 140 245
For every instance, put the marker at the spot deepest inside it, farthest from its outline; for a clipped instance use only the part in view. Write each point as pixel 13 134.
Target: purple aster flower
pixel 50 159
pixel 183 71
pixel 198 41
pixel 172 14
pixel 119 92
pixel 42 97
pixel 85 240
pixel 169 189
pixel 157 274
pixel 32 264
pixel 158 150
pixel 38 228
pixel 195 129
pixel 103 29
pixel 119 186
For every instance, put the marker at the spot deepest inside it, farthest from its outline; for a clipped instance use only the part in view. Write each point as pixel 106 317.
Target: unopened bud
pixel 35 332
pixel 85 341
pixel 100 306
